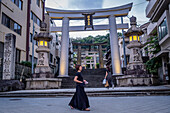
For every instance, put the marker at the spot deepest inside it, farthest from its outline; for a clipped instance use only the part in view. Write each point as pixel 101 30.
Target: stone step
pixel 112 93
pixel 94 81
pixel 88 72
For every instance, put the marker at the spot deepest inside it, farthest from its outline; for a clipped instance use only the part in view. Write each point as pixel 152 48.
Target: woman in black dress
pixel 79 100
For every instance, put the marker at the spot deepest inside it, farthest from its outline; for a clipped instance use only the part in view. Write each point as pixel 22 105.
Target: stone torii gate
pixel 110 13
pixel 79 50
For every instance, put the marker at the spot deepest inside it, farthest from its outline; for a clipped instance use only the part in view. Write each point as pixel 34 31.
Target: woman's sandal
pixel 71 107
pixel 87 109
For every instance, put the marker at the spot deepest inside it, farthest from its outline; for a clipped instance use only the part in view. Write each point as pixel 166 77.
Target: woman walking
pixel 80 100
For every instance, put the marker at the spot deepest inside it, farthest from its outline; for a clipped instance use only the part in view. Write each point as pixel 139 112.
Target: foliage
pixel 75 62
pixel 88 57
pixel 154 46
pixel 28 64
pixel 97 65
pixel 97 39
pixel 153 64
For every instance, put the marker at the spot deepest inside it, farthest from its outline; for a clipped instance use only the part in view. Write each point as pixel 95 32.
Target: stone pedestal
pixel 134 80
pixel 43 83
pixel 9 57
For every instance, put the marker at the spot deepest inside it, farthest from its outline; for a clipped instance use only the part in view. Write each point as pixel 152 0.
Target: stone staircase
pixel 93 92
pixel 93 76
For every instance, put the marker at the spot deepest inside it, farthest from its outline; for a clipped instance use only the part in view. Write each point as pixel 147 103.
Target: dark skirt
pixel 110 81
pixel 79 100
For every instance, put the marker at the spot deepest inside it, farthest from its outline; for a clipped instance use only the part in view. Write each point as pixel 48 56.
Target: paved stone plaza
pixel 147 104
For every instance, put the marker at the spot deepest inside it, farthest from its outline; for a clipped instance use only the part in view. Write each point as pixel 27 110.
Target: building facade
pixel 159 13
pixel 122 51
pixel 16 17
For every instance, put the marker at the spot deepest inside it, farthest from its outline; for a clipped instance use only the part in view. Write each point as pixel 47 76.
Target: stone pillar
pixel 116 67
pixel 79 55
pixel 63 72
pixel 9 57
pixel 100 57
pixel 91 65
pixel 95 60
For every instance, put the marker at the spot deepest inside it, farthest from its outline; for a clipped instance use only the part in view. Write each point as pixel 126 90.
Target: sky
pixel 138 10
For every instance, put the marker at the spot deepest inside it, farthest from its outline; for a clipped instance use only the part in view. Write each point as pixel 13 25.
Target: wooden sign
pixel 88 21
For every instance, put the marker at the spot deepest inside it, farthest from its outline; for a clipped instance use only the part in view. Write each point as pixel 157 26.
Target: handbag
pixel 104 81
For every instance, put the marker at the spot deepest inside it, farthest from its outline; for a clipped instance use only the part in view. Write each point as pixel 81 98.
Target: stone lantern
pixel 135 74
pixel 43 78
pixel 134 45
pixel 42 69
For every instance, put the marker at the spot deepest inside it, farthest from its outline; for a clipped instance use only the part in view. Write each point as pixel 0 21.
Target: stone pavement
pixel 142 104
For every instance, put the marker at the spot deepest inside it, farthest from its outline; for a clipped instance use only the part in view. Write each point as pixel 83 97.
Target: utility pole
pixel 33 46
pixel 124 51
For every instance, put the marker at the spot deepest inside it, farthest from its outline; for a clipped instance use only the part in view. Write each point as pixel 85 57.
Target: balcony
pixel 156 8
pixel 151 7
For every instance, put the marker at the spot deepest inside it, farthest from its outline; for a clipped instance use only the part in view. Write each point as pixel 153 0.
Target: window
pixel 31 15
pixel 35 18
pixel 135 37
pixel 8 22
pixel 19 3
pixel 12 25
pixel 51 58
pixel 31 37
pixel 163 29
pixel 36 42
pixel 38 21
pixel 45 43
pixel 38 2
pixel 130 38
pixel 90 54
pixel 35 59
pixel 15 27
pixel 17 57
pixel 41 43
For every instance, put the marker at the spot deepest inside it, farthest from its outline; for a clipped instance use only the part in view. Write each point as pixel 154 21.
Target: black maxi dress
pixel 80 100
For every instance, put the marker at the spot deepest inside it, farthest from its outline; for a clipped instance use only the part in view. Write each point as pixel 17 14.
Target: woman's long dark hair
pixel 108 68
pixel 77 67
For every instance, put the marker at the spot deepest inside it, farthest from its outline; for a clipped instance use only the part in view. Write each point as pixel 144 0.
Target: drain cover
pixel 15 99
